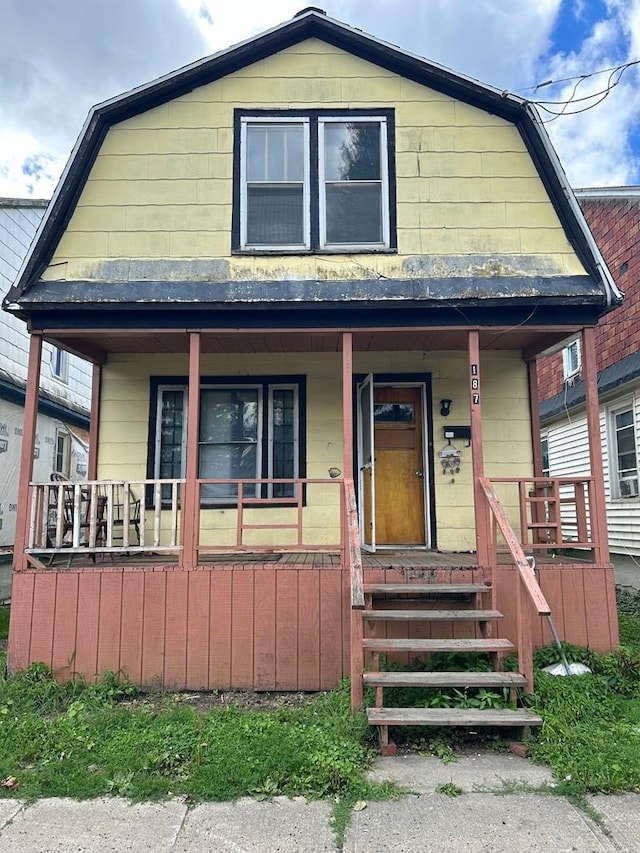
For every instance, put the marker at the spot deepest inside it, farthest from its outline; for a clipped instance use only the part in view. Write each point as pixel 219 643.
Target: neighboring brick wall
pixel 615 224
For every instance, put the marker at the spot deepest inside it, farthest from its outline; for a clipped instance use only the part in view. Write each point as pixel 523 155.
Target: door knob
pixel 419 474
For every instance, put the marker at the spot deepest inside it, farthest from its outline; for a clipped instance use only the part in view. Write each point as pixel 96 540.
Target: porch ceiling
pixel 96 345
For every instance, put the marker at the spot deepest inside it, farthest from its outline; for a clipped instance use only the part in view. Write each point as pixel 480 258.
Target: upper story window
pixel 314 181
pixel 572 359
pixel 623 457
pixel 60 364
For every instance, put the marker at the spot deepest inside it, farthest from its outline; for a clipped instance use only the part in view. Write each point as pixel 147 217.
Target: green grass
pixel 82 740
pixel 76 740
pixel 591 723
pixel 4 621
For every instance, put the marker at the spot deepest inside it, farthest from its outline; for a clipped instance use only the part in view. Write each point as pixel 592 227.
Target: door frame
pixel 407 380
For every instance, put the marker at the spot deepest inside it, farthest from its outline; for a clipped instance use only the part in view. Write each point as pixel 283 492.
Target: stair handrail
pixel 526 580
pixel 353 551
pixel 353 560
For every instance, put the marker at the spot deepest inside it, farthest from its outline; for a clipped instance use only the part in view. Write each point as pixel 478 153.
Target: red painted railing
pixel 353 562
pixel 242 496
pixel 528 592
pixel 551 512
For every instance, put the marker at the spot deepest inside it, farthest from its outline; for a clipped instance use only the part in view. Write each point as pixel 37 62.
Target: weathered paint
pixel 290 629
pixel 159 195
pixel 124 429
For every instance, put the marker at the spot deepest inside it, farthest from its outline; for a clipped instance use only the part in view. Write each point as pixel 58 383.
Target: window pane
pixel 354 213
pixel 284 435
pixel 228 462
pixel 275 215
pixel 394 413
pixel 171 426
pixel 228 439
pixel 275 153
pixel 228 415
pixel 352 151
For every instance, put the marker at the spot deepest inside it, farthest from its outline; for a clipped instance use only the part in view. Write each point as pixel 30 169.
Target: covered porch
pixel 204 582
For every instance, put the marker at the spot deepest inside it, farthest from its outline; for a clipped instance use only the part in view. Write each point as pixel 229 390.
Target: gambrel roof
pixel 598 289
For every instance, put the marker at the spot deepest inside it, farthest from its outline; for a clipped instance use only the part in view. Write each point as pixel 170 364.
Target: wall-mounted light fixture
pixel 445 408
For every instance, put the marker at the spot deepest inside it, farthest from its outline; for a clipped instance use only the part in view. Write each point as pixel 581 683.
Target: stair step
pixel 444 679
pixel 426 588
pixel 451 717
pixel 411 645
pixel 432 615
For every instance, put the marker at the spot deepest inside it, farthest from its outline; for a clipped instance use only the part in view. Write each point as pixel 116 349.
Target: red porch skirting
pixel 245 627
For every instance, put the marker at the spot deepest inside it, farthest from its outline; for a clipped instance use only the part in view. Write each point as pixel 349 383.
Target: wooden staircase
pixel 387 604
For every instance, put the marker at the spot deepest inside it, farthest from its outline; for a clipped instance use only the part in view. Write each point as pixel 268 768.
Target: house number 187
pixel 475 385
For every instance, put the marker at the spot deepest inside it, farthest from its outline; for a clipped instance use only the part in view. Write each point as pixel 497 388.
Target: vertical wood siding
pixel 254 627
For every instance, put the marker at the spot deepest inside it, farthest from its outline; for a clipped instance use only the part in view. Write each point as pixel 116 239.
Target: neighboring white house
pixel 65 386
pixel 613 215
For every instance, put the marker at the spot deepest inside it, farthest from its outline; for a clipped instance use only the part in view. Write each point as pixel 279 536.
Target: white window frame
pixel 259 429
pixel 64 437
pixel 572 359
pixel 315 208
pixel 544 440
pixel 384 182
pixel 306 203
pixel 158 443
pixel 296 419
pixel 262 446
pixel 59 364
pixel 615 480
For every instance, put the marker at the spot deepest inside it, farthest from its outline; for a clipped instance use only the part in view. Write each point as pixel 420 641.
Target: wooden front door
pixel 399 466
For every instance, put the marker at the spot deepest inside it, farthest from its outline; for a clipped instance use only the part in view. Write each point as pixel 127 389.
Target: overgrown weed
pixel 76 740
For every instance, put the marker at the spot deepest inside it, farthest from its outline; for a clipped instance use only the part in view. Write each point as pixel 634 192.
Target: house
pixel 613 214
pixel 313 274
pixel 63 406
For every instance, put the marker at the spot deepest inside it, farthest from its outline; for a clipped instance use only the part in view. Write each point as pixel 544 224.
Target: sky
pixel 60 57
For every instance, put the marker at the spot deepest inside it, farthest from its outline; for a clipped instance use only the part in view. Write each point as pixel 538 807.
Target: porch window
pixel 313 181
pixel 247 431
pixel 623 455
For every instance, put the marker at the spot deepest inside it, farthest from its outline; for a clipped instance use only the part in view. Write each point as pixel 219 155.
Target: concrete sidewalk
pixel 507 805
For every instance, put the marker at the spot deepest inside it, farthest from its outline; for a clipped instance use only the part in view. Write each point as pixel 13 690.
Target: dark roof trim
pixel 483 291
pixel 625 370
pixel 329 315
pixel 15 394
pixel 311 24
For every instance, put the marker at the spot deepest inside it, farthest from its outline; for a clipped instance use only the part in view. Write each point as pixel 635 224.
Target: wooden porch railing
pixel 526 583
pixel 243 495
pixel 352 560
pixel 139 516
pixel 554 512
pixel 104 515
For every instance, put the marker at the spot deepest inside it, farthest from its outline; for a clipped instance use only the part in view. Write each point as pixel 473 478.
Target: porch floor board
pixel 387 559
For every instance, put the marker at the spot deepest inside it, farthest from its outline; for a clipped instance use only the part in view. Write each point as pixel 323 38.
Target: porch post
pixel 94 422
pixel 598 508
pixel 477 455
pixel 191 493
pixel 534 409
pixel 347 404
pixel 32 394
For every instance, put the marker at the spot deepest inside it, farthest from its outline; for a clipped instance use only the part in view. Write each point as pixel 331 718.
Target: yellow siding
pixel 161 187
pixel 507 441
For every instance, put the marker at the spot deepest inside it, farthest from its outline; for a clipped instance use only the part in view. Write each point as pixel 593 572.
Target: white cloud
pixel 594 133
pixel 83 52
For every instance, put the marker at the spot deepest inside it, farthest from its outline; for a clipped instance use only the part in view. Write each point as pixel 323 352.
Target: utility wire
pixel 615 75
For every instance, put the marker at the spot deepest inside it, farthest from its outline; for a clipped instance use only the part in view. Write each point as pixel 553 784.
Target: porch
pixel 199 582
